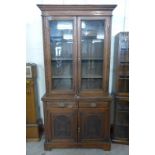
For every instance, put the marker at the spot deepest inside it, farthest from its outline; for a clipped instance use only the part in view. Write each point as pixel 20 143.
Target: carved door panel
pixel 93 125
pixel 62 125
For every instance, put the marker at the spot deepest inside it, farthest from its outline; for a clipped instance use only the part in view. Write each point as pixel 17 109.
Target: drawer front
pixel 93 104
pixel 61 104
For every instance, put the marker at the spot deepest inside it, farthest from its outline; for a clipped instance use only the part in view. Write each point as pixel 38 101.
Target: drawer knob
pixel 93 105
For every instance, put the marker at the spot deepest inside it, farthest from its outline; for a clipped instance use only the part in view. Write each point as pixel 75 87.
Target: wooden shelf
pixel 63 59
pixel 124 62
pixel 123 125
pixel 92 76
pixel 125 111
pixel 62 77
pixel 92 59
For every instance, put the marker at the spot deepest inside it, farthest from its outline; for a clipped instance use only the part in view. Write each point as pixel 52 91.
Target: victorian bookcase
pixel 121 89
pixel 77 40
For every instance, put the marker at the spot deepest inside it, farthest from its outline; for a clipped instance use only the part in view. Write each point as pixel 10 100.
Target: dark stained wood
pixel 93 125
pixel 62 125
pixel 106 55
pixel 120 132
pixel 73 10
pixel 102 145
pixel 48 7
pixel 70 115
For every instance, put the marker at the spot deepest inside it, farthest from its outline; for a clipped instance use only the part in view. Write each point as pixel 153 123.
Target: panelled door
pixel 93 124
pixel 62 125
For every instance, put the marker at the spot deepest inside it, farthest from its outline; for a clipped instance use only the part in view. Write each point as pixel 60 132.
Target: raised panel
pixel 62 125
pixel 93 125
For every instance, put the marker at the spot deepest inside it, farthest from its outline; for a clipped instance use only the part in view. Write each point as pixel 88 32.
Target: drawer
pixel 61 104
pixel 93 104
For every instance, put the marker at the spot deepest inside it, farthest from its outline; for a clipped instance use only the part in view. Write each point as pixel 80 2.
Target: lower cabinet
pixel 92 125
pixel 62 125
pixel 121 121
pixel 68 124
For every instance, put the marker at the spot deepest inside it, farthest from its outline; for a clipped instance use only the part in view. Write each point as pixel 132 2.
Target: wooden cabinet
pixel 77 57
pixel 121 89
pixel 33 121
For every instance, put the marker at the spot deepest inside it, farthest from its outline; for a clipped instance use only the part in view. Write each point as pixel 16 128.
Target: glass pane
pixel 124 63
pixel 62 83
pixel 89 83
pixel 122 118
pixel 92 48
pixel 61 40
pixel 62 69
pixel 91 68
pixel 123 106
pixel 123 84
pixel 122 131
pixel 124 69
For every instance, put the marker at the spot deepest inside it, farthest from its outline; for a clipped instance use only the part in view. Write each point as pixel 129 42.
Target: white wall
pixel 34 42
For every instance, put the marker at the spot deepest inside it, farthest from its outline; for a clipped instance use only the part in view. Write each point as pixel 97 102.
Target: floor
pixel 37 148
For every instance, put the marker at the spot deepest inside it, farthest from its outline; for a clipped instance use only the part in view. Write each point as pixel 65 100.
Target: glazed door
pixel 93 54
pixel 123 64
pixel 62 125
pixel 93 125
pixel 61 55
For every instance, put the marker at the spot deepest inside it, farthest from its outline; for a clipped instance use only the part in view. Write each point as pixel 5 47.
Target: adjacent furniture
pixel 77 40
pixel 121 89
pixel 33 121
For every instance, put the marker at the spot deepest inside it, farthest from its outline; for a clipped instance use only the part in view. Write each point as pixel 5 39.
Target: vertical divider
pixel 79 52
pixel 75 55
